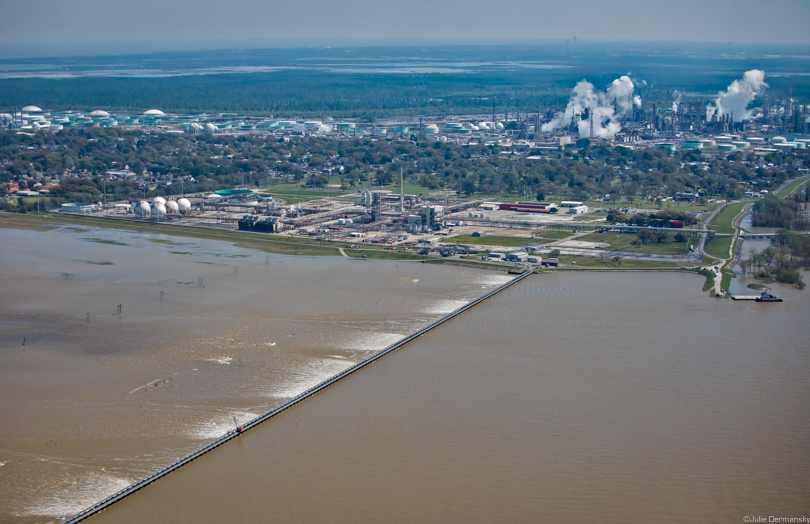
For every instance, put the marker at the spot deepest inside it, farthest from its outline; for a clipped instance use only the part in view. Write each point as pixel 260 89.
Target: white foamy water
pixel 307 376
pixel 443 307
pixel 77 496
pixel 371 342
pixel 493 280
pixel 220 360
pixel 216 427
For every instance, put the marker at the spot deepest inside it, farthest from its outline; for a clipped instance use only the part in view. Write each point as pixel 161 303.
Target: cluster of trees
pixel 223 161
pixel 788 253
pixel 647 236
pixel 662 218
pixel 788 213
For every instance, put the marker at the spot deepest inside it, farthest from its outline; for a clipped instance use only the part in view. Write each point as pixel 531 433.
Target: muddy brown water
pixel 87 408
pixel 566 398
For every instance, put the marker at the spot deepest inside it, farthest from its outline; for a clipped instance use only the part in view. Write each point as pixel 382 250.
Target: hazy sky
pixel 58 27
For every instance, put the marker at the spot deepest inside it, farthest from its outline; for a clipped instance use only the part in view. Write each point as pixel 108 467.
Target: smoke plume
pixel 734 101
pixel 599 108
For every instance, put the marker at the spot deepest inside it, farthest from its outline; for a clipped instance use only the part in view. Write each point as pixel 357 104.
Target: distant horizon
pixel 52 28
pixel 111 49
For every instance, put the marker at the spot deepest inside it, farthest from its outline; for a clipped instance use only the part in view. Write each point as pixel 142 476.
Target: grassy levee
pixel 793 186
pixel 718 247
pixel 723 222
pixel 600 263
pixel 709 279
pixel 263 241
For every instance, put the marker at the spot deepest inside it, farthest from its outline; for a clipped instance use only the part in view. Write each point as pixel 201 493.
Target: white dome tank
pixel 172 207
pixel 158 209
pixel 210 128
pixel 159 200
pixel 499 126
pixel 143 209
pixel 184 205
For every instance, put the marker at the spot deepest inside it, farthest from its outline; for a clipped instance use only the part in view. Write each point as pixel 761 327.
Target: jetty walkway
pixel 132 488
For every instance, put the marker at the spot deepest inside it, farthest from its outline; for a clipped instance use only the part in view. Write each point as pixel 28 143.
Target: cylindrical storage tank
pixel 184 205
pixel 783 146
pixel 726 147
pixel 800 145
pixel 431 130
pixel 172 207
pixel 723 139
pixel 740 144
pixel 143 209
pixel 709 143
pixel 159 200
pixel 778 140
pixel 692 144
pixel 158 209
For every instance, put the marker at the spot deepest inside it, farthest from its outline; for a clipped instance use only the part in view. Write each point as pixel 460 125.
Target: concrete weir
pixel 132 488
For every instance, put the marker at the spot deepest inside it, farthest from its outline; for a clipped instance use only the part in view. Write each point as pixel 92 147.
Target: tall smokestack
pixel 401 191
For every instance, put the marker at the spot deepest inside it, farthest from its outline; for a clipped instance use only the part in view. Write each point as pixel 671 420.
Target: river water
pixel 89 407
pixel 569 397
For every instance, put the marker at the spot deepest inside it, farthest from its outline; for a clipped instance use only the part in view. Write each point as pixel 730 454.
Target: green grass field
pixel 787 190
pixel 722 221
pixel 718 247
pixel 491 240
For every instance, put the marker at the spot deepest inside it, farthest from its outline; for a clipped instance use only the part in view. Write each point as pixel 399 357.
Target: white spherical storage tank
pixel 143 209
pixel 172 207
pixel 158 209
pixel 184 205
pixel 159 200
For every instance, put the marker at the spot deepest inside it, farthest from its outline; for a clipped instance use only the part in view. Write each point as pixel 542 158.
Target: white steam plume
pixel 620 92
pixel 676 104
pixel 734 101
pixel 599 107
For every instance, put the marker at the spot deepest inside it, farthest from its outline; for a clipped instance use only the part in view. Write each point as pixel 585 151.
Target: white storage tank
pixel 158 209
pixel 172 207
pixel 184 205
pixel 143 209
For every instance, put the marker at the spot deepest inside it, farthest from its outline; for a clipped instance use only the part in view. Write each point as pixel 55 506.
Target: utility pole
pixel 401 191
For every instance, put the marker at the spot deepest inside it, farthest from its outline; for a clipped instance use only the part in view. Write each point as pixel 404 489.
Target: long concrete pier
pixel 132 488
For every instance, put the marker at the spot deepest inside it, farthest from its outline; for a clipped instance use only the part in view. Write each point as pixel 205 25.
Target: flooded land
pixel 93 400
pixel 571 396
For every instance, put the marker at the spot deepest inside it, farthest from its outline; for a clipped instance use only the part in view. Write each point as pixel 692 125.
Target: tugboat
pixel 767 296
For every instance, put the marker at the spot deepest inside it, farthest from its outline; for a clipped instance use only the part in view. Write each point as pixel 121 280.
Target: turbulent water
pixel 91 400
pixel 568 397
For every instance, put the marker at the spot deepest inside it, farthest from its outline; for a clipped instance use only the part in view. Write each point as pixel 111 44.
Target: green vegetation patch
pixel 105 241
pixel 709 284
pixel 793 186
pixel 723 222
pixel 492 240
pixel 718 247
